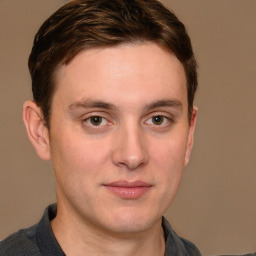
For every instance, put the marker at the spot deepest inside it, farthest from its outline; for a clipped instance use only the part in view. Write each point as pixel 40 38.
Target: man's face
pixel 119 136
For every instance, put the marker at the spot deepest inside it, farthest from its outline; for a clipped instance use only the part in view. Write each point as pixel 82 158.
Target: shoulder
pixel 249 254
pixel 190 247
pixel 21 243
pixel 176 245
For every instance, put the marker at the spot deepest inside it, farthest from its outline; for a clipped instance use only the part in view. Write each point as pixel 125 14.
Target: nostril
pixel 134 163
pixel 130 160
pixel 130 148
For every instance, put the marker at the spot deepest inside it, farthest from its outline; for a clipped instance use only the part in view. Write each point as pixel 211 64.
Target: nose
pixel 130 149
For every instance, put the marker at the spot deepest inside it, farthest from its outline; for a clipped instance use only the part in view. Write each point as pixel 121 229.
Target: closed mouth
pixel 128 190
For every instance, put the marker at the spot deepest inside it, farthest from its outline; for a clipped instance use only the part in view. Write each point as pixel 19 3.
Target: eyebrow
pixel 92 104
pixel 173 103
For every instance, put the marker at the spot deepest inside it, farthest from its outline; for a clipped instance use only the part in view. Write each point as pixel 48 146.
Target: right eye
pixel 96 121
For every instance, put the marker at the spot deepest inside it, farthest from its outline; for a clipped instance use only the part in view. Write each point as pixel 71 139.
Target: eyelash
pixel 164 121
pixel 88 120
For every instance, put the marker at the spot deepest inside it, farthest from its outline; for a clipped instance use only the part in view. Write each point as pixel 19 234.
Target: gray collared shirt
pixel 39 240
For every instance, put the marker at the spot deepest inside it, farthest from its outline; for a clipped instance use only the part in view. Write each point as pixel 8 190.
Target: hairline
pixel 132 42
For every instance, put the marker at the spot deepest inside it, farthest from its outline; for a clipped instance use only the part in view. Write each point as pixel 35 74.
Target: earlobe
pixel 36 130
pixel 190 140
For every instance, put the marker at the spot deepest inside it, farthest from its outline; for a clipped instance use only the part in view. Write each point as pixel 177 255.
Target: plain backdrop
pixel 216 205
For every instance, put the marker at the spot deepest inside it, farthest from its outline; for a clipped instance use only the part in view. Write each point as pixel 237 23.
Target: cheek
pixel 168 159
pixel 76 156
pixel 78 169
pixel 169 153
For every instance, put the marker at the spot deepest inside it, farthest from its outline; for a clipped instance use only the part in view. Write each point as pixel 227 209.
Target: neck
pixel 78 239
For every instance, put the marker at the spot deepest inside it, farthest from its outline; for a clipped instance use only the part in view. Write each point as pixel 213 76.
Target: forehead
pixel 145 71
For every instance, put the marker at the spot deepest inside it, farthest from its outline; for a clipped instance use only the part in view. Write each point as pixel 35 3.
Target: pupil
pixel 96 120
pixel 157 119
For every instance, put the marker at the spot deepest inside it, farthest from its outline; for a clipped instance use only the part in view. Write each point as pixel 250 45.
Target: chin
pixel 132 222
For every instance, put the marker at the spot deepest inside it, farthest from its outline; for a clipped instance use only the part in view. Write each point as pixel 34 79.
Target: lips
pixel 128 190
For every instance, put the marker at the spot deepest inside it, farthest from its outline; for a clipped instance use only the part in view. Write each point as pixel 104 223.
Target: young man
pixel 113 85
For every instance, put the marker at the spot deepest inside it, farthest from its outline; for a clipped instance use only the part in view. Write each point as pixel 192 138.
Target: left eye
pixel 96 120
pixel 158 120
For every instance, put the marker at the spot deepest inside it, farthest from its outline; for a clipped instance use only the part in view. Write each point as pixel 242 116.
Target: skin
pixel 119 114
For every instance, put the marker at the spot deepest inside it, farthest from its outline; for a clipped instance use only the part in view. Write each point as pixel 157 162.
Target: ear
pixel 37 131
pixel 190 140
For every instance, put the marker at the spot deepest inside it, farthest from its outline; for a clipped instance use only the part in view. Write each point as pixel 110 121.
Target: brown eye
pixel 95 120
pixel 157 120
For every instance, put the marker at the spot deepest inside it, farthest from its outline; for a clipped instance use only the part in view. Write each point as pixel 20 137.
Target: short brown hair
pixel 84 24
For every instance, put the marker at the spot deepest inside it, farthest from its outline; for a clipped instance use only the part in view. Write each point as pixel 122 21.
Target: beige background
pixel 216 205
